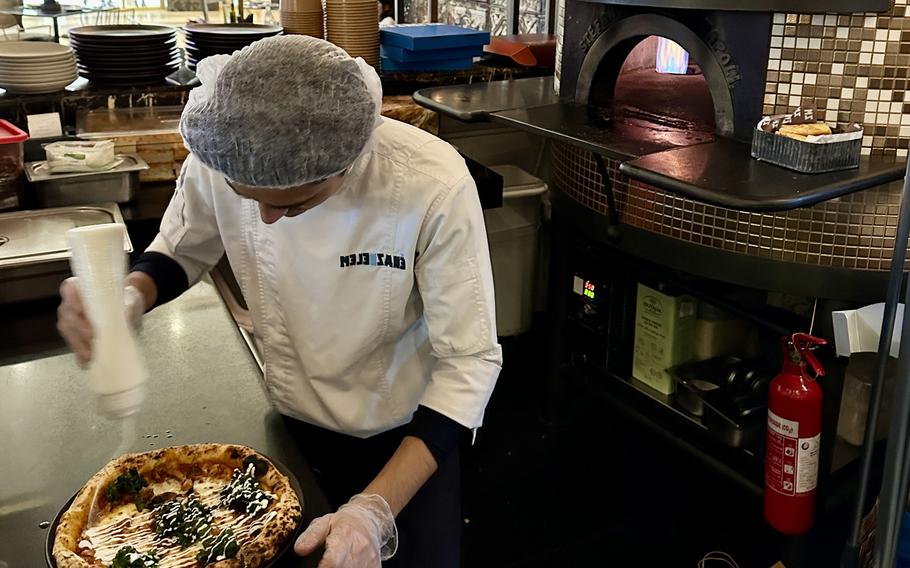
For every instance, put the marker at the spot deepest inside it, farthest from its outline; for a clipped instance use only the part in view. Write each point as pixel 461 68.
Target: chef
pixel 359 245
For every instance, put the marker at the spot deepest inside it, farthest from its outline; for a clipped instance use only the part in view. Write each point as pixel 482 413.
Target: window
pixel 489 15
pixel 494 16
pixel 532 17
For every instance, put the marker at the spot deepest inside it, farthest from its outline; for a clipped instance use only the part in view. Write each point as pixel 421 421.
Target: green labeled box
pixel 664 332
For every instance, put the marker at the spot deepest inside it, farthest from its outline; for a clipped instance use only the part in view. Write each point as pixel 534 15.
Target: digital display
pixel 589 289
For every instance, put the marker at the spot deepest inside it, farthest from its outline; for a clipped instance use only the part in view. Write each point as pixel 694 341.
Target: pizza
pixel 215 505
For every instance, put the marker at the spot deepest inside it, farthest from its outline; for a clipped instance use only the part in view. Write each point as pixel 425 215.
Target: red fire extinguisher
pixel 794 435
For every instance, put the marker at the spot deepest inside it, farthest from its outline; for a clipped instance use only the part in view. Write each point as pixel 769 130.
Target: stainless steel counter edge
pixel 474 102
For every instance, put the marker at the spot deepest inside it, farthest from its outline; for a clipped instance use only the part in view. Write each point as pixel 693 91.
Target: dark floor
pixel 591 492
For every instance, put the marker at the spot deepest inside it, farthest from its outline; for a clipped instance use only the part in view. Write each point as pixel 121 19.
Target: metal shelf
pixel 696 165
pixel 475 102
pixel 724 173
pixel 671 425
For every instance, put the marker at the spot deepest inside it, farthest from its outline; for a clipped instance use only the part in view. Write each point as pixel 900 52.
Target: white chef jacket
pixel 374 302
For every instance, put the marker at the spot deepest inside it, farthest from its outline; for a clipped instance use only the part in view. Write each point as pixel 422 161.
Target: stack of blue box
pixel 430 47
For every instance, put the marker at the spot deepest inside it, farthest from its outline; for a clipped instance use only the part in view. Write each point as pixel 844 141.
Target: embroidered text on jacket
pixel 373 259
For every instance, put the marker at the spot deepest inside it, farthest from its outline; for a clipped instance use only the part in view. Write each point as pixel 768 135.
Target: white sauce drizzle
pixel 138 531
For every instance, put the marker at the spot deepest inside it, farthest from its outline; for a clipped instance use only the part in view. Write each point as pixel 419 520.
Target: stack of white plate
pixel 36 66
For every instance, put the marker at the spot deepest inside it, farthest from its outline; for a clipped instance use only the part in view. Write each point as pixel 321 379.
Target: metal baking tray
pixel 34 256
pixel 727 394
pixel 118 184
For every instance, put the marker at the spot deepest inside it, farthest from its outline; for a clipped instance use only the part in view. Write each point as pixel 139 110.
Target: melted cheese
pixel 124 526
pixel 167 486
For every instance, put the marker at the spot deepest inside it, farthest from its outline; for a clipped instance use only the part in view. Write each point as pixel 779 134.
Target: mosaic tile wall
pixel 851 68
pixel 856 231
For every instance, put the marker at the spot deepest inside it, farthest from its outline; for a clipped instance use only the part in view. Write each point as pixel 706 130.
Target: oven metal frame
pixel 600 67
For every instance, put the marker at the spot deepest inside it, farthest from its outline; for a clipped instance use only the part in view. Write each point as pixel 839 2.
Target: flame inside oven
pixel 671 57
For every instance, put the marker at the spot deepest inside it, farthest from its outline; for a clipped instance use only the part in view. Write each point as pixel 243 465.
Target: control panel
pixel 598 311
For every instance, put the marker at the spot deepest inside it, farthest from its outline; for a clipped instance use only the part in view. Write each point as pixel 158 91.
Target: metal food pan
pixel 116 185
pixel 34 256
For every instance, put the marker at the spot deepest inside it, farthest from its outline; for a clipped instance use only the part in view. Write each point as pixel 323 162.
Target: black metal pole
pixel 850 557
pixel 613 233
pixel 895 476
pixel 891 510
pixel 551 17
pixel 902 492
pixel 516 17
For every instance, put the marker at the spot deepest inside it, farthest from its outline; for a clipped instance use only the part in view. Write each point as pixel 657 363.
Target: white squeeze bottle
pixel 117 373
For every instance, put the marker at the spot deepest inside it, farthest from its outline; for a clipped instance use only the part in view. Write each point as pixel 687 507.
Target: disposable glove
pixel 74 326
pixel 360 534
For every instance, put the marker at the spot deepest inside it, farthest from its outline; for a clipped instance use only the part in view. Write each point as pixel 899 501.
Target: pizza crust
pixel 176 460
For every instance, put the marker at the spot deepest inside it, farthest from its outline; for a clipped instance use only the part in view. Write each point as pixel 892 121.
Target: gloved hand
pixel 360 534
pixel 74 326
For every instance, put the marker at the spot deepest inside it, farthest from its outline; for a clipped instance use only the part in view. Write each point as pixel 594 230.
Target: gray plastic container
pixel 805 157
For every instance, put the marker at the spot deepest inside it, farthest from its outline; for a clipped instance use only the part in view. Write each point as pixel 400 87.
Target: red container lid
pixel 9 134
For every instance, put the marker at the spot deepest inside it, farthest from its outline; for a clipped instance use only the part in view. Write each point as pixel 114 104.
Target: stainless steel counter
pixel 205 387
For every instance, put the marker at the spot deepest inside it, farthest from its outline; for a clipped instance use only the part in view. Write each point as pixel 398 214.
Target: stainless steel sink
pixel 34 256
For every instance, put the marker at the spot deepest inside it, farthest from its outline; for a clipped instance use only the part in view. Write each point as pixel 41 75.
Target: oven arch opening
pixel 601 67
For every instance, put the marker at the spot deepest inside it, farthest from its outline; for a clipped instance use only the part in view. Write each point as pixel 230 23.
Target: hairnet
pixel 282 112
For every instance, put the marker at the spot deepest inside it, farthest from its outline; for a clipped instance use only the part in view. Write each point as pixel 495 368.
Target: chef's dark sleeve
pixel 169 277
pixel 440 433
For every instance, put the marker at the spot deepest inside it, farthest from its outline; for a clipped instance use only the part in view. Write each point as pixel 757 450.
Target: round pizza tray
pixel 295 485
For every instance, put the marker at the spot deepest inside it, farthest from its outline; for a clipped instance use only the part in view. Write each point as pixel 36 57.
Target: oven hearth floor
pixel 594 129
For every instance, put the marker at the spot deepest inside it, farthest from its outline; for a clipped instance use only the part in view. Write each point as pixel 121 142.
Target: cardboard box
pixel 664 337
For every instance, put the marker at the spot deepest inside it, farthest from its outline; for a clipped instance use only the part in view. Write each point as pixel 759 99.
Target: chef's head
pixel 282 120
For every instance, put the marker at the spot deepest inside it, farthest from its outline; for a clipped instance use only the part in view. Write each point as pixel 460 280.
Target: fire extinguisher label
pixel 782 426
pixel 792 462
pixel 781 455
pixel 807 464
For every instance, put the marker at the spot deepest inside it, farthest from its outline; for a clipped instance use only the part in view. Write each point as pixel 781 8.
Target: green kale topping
pixel 260 466
pixel 216 548
pixel 125 487
pixel 129 557
pixel 244 495
pixel 185 521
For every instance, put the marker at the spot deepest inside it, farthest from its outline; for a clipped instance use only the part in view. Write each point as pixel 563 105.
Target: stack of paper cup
pixel 302 17
pixel 353 25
